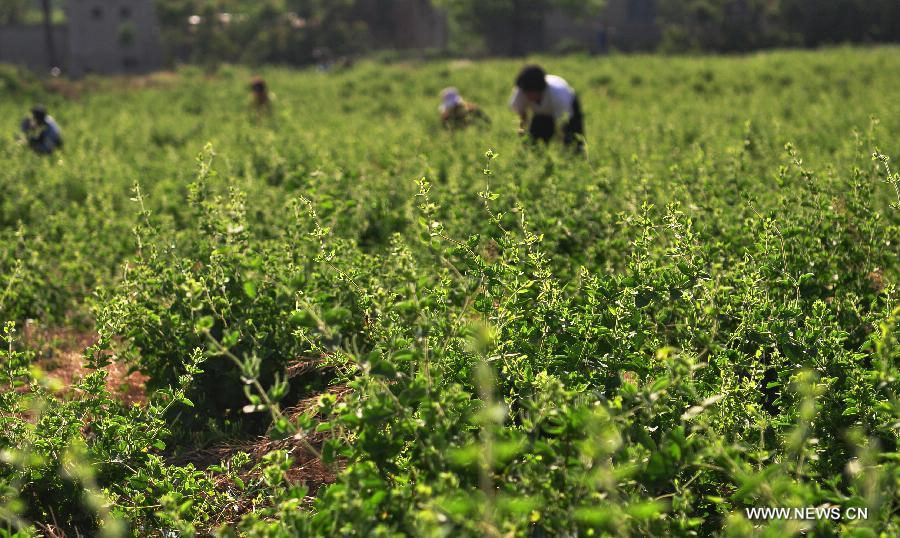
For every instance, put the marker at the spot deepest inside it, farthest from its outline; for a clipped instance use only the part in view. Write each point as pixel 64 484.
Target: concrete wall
pixel 26 46
pixel 113 36
pixel 102 36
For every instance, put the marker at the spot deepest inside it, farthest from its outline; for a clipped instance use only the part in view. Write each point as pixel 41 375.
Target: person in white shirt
pixel 547 103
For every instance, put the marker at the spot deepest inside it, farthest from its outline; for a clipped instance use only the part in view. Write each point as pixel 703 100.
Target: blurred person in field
pixel 548 106
pixel 41 131
pixel 456 112
pixel 259 93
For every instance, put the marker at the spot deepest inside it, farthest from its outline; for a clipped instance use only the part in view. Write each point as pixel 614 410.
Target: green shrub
pixel 698 317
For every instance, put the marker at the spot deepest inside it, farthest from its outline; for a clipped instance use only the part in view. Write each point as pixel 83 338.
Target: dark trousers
pixel 44 143
pixel 543 127
pixel 39 138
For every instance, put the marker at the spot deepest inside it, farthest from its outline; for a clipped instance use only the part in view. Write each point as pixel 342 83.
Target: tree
pixel 48 33
pixel 814 23
pixel 720 25
pixel 260 31
pixel 510 27
pixel 13 11
pixel 742 25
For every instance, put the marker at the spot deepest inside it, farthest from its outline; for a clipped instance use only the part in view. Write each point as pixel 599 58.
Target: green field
pixel 353 322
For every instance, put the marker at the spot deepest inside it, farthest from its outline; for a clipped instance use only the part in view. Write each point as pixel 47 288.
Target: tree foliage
pixel 510 27
pixel 743 25
pixel 13 11
pixel 268 31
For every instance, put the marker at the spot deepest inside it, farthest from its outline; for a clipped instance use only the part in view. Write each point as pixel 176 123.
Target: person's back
pixel 554 99
pixel 52 132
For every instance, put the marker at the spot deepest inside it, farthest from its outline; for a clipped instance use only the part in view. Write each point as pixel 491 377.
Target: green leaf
pixel 323 427
pixel 204 324
pixel 660 384
pixel 302 318
pixel 647 510
pixel 595 516
pixel 675 451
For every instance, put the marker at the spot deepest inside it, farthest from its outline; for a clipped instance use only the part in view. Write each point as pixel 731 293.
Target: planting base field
pixel 337 318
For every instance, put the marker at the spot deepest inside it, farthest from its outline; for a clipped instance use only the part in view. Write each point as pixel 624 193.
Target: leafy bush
pixel 697 318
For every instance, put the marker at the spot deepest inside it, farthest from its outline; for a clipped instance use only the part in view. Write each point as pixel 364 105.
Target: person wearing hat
pixel 41 131
pixel 456 112
pixel 547 104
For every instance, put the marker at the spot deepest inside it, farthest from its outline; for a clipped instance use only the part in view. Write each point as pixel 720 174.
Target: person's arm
pixel 477 113
pixel 446 117
pixel 523 122
pixel 518 104
pixel 26 129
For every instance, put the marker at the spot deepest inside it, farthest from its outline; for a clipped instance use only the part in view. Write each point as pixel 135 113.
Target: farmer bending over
pixel 456 112
pixel 41 131
pixel 552 104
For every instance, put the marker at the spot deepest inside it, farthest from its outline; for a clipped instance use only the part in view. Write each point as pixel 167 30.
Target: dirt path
pixel 61 354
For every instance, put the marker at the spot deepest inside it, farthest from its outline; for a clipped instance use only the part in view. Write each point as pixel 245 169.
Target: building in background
pixel 26 45
pixel 113 36
pixel 99 36
pixel 124 36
